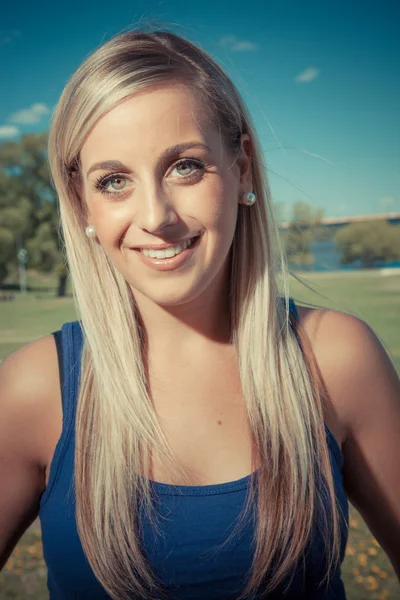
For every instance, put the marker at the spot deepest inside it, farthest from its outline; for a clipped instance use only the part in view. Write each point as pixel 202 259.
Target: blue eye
pixel 112 184
pixel 117 183
pixel 190 166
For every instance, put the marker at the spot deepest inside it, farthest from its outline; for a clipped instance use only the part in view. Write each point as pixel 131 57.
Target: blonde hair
pixel 117 431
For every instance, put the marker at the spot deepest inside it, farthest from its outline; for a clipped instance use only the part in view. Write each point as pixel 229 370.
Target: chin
pixel 168 295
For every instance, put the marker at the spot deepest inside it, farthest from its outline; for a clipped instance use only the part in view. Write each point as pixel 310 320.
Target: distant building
pixel 337 222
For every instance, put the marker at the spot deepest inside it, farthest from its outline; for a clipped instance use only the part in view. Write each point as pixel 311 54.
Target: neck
pixel 203 320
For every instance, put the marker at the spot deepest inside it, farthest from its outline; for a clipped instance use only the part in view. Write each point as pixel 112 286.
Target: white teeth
pixel 167 252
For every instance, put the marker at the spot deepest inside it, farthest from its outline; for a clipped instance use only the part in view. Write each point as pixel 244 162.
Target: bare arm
pixel 28 380
pixel 364 389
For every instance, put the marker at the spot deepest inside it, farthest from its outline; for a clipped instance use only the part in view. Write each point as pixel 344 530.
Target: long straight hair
pixel 117 431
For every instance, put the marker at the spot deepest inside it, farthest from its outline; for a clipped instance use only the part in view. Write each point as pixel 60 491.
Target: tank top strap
pixel 333 446
pixel 293 309
pixel 70 365
pixel 69 343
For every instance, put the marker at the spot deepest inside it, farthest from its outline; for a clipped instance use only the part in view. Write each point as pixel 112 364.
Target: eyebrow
pixel 168 153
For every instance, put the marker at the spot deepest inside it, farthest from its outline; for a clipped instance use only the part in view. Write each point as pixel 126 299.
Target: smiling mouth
pixel 169 252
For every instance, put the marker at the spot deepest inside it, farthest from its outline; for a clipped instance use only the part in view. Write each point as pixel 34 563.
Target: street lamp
pixel 22 256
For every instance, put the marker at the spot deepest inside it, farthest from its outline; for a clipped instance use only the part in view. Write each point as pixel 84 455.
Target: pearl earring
pixel 249 199
pixel 90 231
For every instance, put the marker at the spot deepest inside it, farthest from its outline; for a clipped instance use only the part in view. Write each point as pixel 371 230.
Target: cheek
pixel 109 220
pixel 222 209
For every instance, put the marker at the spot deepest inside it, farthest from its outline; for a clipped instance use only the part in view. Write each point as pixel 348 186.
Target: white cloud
pixel 227 40
pixel 244 46
pixel 308 75
pixel 8 131
pixel 30 116
pixel 232 43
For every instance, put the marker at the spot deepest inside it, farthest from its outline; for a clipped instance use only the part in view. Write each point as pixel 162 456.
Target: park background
pixel 322 84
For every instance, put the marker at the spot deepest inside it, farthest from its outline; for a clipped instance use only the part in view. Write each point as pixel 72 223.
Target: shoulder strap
pixel 58 340
pixel 293 309
pixel 69 342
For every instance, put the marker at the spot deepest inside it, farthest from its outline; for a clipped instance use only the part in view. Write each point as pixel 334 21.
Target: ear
pixel 76 184
pixel 244 162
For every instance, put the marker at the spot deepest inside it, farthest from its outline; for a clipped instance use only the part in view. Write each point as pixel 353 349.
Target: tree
pixel 280 210
pixel 28 208
pixel 305 215
pixel 297 245
pixel 14 222
pixel 300 233
pixel 369 242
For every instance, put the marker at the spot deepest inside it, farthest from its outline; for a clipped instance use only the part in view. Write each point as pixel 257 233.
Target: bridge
pixel 336 222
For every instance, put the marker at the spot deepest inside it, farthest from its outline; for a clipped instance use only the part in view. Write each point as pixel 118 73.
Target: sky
pixel 321 80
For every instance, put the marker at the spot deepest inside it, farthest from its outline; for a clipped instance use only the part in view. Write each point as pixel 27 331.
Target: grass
pixel 30 317
pixel 367 573
pixel 371 296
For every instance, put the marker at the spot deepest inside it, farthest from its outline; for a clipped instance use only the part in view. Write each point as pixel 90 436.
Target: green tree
pixel 305 215
pixel 28 209
pixel 14 222
pixel 369 242
pixel 280 209
pixel 297 245
pixel 300 233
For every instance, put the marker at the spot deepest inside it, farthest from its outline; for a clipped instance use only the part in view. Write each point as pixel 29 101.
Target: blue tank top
pixel 188 555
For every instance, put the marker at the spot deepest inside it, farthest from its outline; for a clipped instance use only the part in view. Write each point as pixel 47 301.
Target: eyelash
pixel 101 183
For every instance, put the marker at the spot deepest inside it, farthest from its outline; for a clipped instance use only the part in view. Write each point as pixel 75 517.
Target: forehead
pixel 148 122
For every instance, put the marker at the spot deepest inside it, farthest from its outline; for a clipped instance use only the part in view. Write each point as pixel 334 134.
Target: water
pixel 327 258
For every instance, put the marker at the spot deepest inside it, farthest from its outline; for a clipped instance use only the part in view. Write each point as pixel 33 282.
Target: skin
pixel 184 313
pixel 159 204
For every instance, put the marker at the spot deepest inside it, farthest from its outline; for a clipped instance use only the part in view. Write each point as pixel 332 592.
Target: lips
pixel 159 260
pixel 167 252
pixel 164 246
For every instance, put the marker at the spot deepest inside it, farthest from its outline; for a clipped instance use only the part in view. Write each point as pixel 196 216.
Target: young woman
pixel 194 435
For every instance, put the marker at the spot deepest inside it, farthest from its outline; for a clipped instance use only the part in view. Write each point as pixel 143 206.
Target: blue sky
pixel 322 81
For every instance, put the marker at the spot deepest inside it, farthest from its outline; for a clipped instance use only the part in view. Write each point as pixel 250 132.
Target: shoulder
pixel 28 427
pixel 353 364
pixel 339 341
pixel 30 396
pixel 363 392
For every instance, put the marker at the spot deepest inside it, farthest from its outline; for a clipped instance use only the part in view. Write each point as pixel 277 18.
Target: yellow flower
pixel 360 579
pixel 363 559
pixel 375 569
pixel 372 582
pixel 372 551
pixel 353 523
pixel 383 574
pixel 350 551
pixel 356 571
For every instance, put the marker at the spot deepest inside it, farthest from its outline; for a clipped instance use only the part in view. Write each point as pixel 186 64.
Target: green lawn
pixel 30 317
pixel 375 298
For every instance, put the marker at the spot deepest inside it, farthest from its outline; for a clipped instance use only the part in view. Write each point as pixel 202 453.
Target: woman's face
pixel 157 178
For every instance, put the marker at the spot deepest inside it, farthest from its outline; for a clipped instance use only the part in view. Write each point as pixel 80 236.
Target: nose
pixel 156 210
